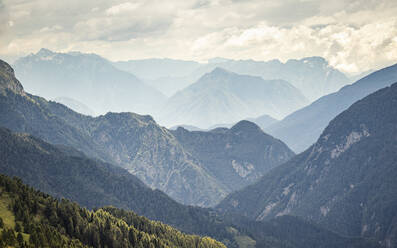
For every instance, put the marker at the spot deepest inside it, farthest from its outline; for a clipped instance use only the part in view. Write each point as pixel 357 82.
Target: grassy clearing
pixel 5 213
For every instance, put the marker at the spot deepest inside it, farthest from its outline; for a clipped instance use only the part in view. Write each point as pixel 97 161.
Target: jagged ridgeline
pixel 137 143
pixel 29 218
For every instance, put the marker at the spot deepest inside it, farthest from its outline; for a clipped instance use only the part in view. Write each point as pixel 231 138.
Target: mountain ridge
pixel 313 76
pixel 61 172
pixel 301 129
pixel 131 141
pixel 345 181
pixel 222 96
pixel 237 156
pixel 88 78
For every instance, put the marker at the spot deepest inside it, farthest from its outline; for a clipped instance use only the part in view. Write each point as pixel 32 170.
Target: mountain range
pixel 134 142
pixel 226 97
pixel 67 173
pixel 88 78
pixel 135 86
pixel 302 128
pixel 313 76
pixel 345 181
pixel 51 158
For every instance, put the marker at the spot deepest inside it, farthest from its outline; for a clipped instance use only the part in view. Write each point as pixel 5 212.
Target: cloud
pixel 123 8
pixel 354 35
pixel 126 21
pixel 347 48
pixel 4 22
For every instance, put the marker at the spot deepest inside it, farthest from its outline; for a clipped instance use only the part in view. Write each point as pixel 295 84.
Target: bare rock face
pixel 8 80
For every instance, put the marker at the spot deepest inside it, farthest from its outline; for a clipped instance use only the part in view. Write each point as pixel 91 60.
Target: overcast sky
pixel 354 35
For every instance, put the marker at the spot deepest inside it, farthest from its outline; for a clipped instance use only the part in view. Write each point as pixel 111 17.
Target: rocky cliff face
pixel 8 80
pixel 152 153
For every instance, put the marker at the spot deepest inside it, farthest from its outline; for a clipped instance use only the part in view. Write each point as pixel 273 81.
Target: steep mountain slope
pixel 302 128
pixel 23 112
pixel 87 78
pixel 226 97
pixel 345 181
pixel 43 221
pixel 64 172
pixel 154 155
pixel 237 156
pixel 132 141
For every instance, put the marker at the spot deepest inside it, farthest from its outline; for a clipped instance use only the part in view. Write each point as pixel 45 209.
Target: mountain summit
pixel 237 156
pixel 222 96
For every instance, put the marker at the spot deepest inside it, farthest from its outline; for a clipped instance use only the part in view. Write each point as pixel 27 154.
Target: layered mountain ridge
pixel 345 181
pixel 65 172
pixel 45 165
pixel 302 128
pixel 313 76
pixel 88 78
pixel 225 97
pixel 134 142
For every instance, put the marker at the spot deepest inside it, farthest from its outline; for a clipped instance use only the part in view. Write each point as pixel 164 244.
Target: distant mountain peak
pixel 181 129
pixel 220 71
pixel 246 126
pixel 217 73
pixel 43 52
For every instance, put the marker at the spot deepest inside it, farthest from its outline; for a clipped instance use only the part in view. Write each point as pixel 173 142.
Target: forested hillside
pixel 29 218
